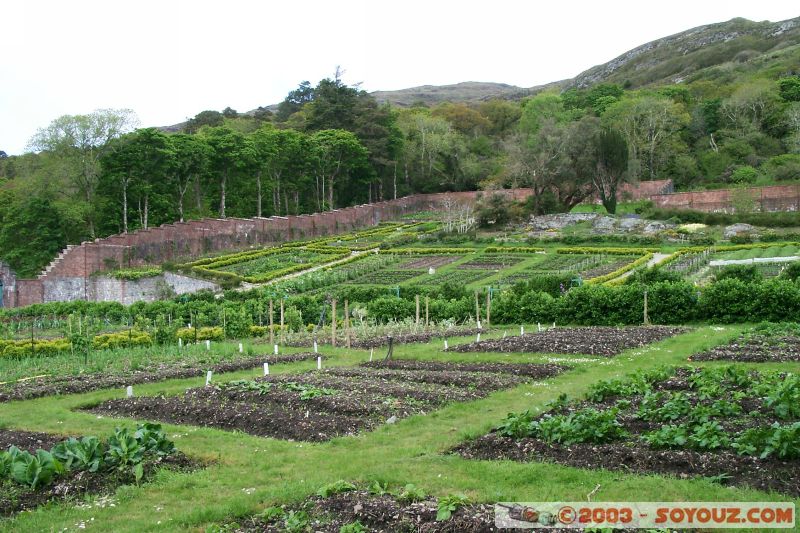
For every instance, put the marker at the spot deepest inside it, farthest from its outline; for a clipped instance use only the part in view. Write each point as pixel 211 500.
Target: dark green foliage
pixel 745 273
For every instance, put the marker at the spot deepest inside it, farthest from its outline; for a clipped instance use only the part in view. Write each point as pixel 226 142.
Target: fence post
pixel 271 331
pixel 333 323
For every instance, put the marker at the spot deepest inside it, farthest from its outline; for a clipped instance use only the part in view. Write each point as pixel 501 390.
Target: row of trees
pixel 332 145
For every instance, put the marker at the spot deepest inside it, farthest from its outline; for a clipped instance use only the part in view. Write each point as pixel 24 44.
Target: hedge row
pixel 606 251
pixel 514 249
pixel 620 271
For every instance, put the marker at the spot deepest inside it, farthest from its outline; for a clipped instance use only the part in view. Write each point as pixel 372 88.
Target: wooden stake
pixel 646 318
pixel 333 323
pixel 281 321
pixel 427 302
pixel 271 331
pixel 488 309
pixel 347 323
pixel 416 323
pixel 477 309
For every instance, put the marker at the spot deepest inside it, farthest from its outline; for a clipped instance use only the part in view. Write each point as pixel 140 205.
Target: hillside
pixel 673 59
pixel 468 91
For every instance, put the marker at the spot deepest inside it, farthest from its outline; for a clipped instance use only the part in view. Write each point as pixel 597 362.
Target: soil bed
pixel 319 405
pixel 708 413
pixel 754 349
pixel 377 514
pixel 605 341
pixel 519 369
pixel 73 485
pixel 399 338
pixel 49 386
pixel 429 261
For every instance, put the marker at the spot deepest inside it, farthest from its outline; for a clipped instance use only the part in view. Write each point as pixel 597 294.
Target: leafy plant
pixel 377 488
pixel 782 441
pixel 124 450
pixel 670 436
pixel 244 385
pixel 784 398
pixel 353 527
pixel 335 488
pixel 153 439
pixel 411 493
pixel 84 454
pixel 272 513
pixel 708 436
pixel 450 504
pixel 296 521
pixel 586 425
pixel 308 392
pixel 517 425
pixel 33 470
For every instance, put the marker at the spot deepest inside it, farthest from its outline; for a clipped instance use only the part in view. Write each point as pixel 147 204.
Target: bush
pixel 390 308
pixel 742 238
pixel 124 339
pixel 792 271
pixel 746 174
pixel 202 334
pixel 745 273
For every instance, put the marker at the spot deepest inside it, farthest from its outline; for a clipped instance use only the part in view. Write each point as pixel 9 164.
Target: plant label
pixel 478 338
pixel 275 349
pixel 241 348
pixel 315 346
pixel 479 324
pixel 266 369
pixel 129 391
pixel 445 344
pixel 522 330
pixel 208 345
pixel 539 326
pixel 208 377
pixel 554 324
pixel 504 334
pixel 180 342
pixel 371 350
pixel 319 363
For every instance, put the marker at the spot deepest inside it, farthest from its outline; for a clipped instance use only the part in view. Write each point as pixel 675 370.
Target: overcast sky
pixel 170 59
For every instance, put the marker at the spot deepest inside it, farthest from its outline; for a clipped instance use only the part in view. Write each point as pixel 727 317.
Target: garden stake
pixel 281 336
pixel 241 348
pixel 275 348
pixel 208 344
pixel 333 323
pixel 319 363
pixel 271 331
pixel 266 369
pixel 129 391
pixel 208 378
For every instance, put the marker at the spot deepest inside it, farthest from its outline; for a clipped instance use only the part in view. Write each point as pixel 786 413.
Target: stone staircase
pixel 55 262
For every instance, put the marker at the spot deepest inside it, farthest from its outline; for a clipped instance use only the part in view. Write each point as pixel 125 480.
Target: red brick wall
pixel 180 241
pixel 773 198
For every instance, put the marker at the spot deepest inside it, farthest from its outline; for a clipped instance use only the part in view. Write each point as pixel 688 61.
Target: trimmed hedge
pixel 607 278
pixel 203 334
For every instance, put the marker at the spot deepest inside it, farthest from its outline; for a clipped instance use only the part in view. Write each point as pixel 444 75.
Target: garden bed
pixel 374 513
pixel 492 262
pixel 459 277
pixel 77 384
pixel 408 338
pixel 76 482
pixel 754 349
pixel 429 261
pixel 728 424
pixel 605 341
pixel 319 405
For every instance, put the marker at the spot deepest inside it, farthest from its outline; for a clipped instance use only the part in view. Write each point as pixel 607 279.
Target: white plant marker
pixel 319 363
pixel 208 377
pixel 129 391
pixel 478 338
pixel 275 349
pixel 479 324
pixel 522 330
pixel 445 344
pixel 315 347
pixel 554 324
pixel 504 334
pixel 266 369
pixel 180 342
pixel 539 325
pixel 241 348
pixel 208 345
pixel 371 350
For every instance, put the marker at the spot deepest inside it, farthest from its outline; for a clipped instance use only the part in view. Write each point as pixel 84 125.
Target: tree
pixel 191 160
pixel 31 233
pixel 295 101
pixel 612 164
pixel 80 141
pixel 204 118
pixel 335 154
pixel 648 123
pixel 277 151
pixel 230 151
pixel 141 160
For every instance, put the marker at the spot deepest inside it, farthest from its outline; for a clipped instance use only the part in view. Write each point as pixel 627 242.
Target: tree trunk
pixel 330 195
pixel 125 206
pixel 146 209
pixel 394 180
pixel 181 194
pixel 222 184
pixel 258 185
pixel 198 196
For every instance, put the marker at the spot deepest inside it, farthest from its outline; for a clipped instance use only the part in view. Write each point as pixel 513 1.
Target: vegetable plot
pixel 725 423
pixel 71 468
pixel 320 405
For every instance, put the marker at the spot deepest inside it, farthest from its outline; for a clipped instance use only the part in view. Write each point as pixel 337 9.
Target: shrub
pixel 202 334
pixel 390 308
pixel 745 273
pixel 124 339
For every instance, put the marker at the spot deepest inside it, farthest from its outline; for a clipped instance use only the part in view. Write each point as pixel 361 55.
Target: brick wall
pixel 773 198
pixel 66 278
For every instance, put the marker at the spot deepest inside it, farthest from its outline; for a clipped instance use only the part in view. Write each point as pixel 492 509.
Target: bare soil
pixel 353 399
pixel 754 349
pixel 596 340
pixel 57 385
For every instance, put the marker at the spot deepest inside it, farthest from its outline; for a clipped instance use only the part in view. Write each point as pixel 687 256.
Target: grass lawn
pixel 249 473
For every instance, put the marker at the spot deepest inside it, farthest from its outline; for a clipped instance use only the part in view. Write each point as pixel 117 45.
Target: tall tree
pixel 335 154
pixel 80 141
pixel 230 151
pixel 191 161
pixel 612 165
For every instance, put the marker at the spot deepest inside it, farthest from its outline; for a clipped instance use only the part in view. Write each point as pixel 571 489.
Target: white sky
pixel 170 59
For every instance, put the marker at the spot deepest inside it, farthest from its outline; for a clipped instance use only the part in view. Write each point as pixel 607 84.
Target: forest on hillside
pixel 331 145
